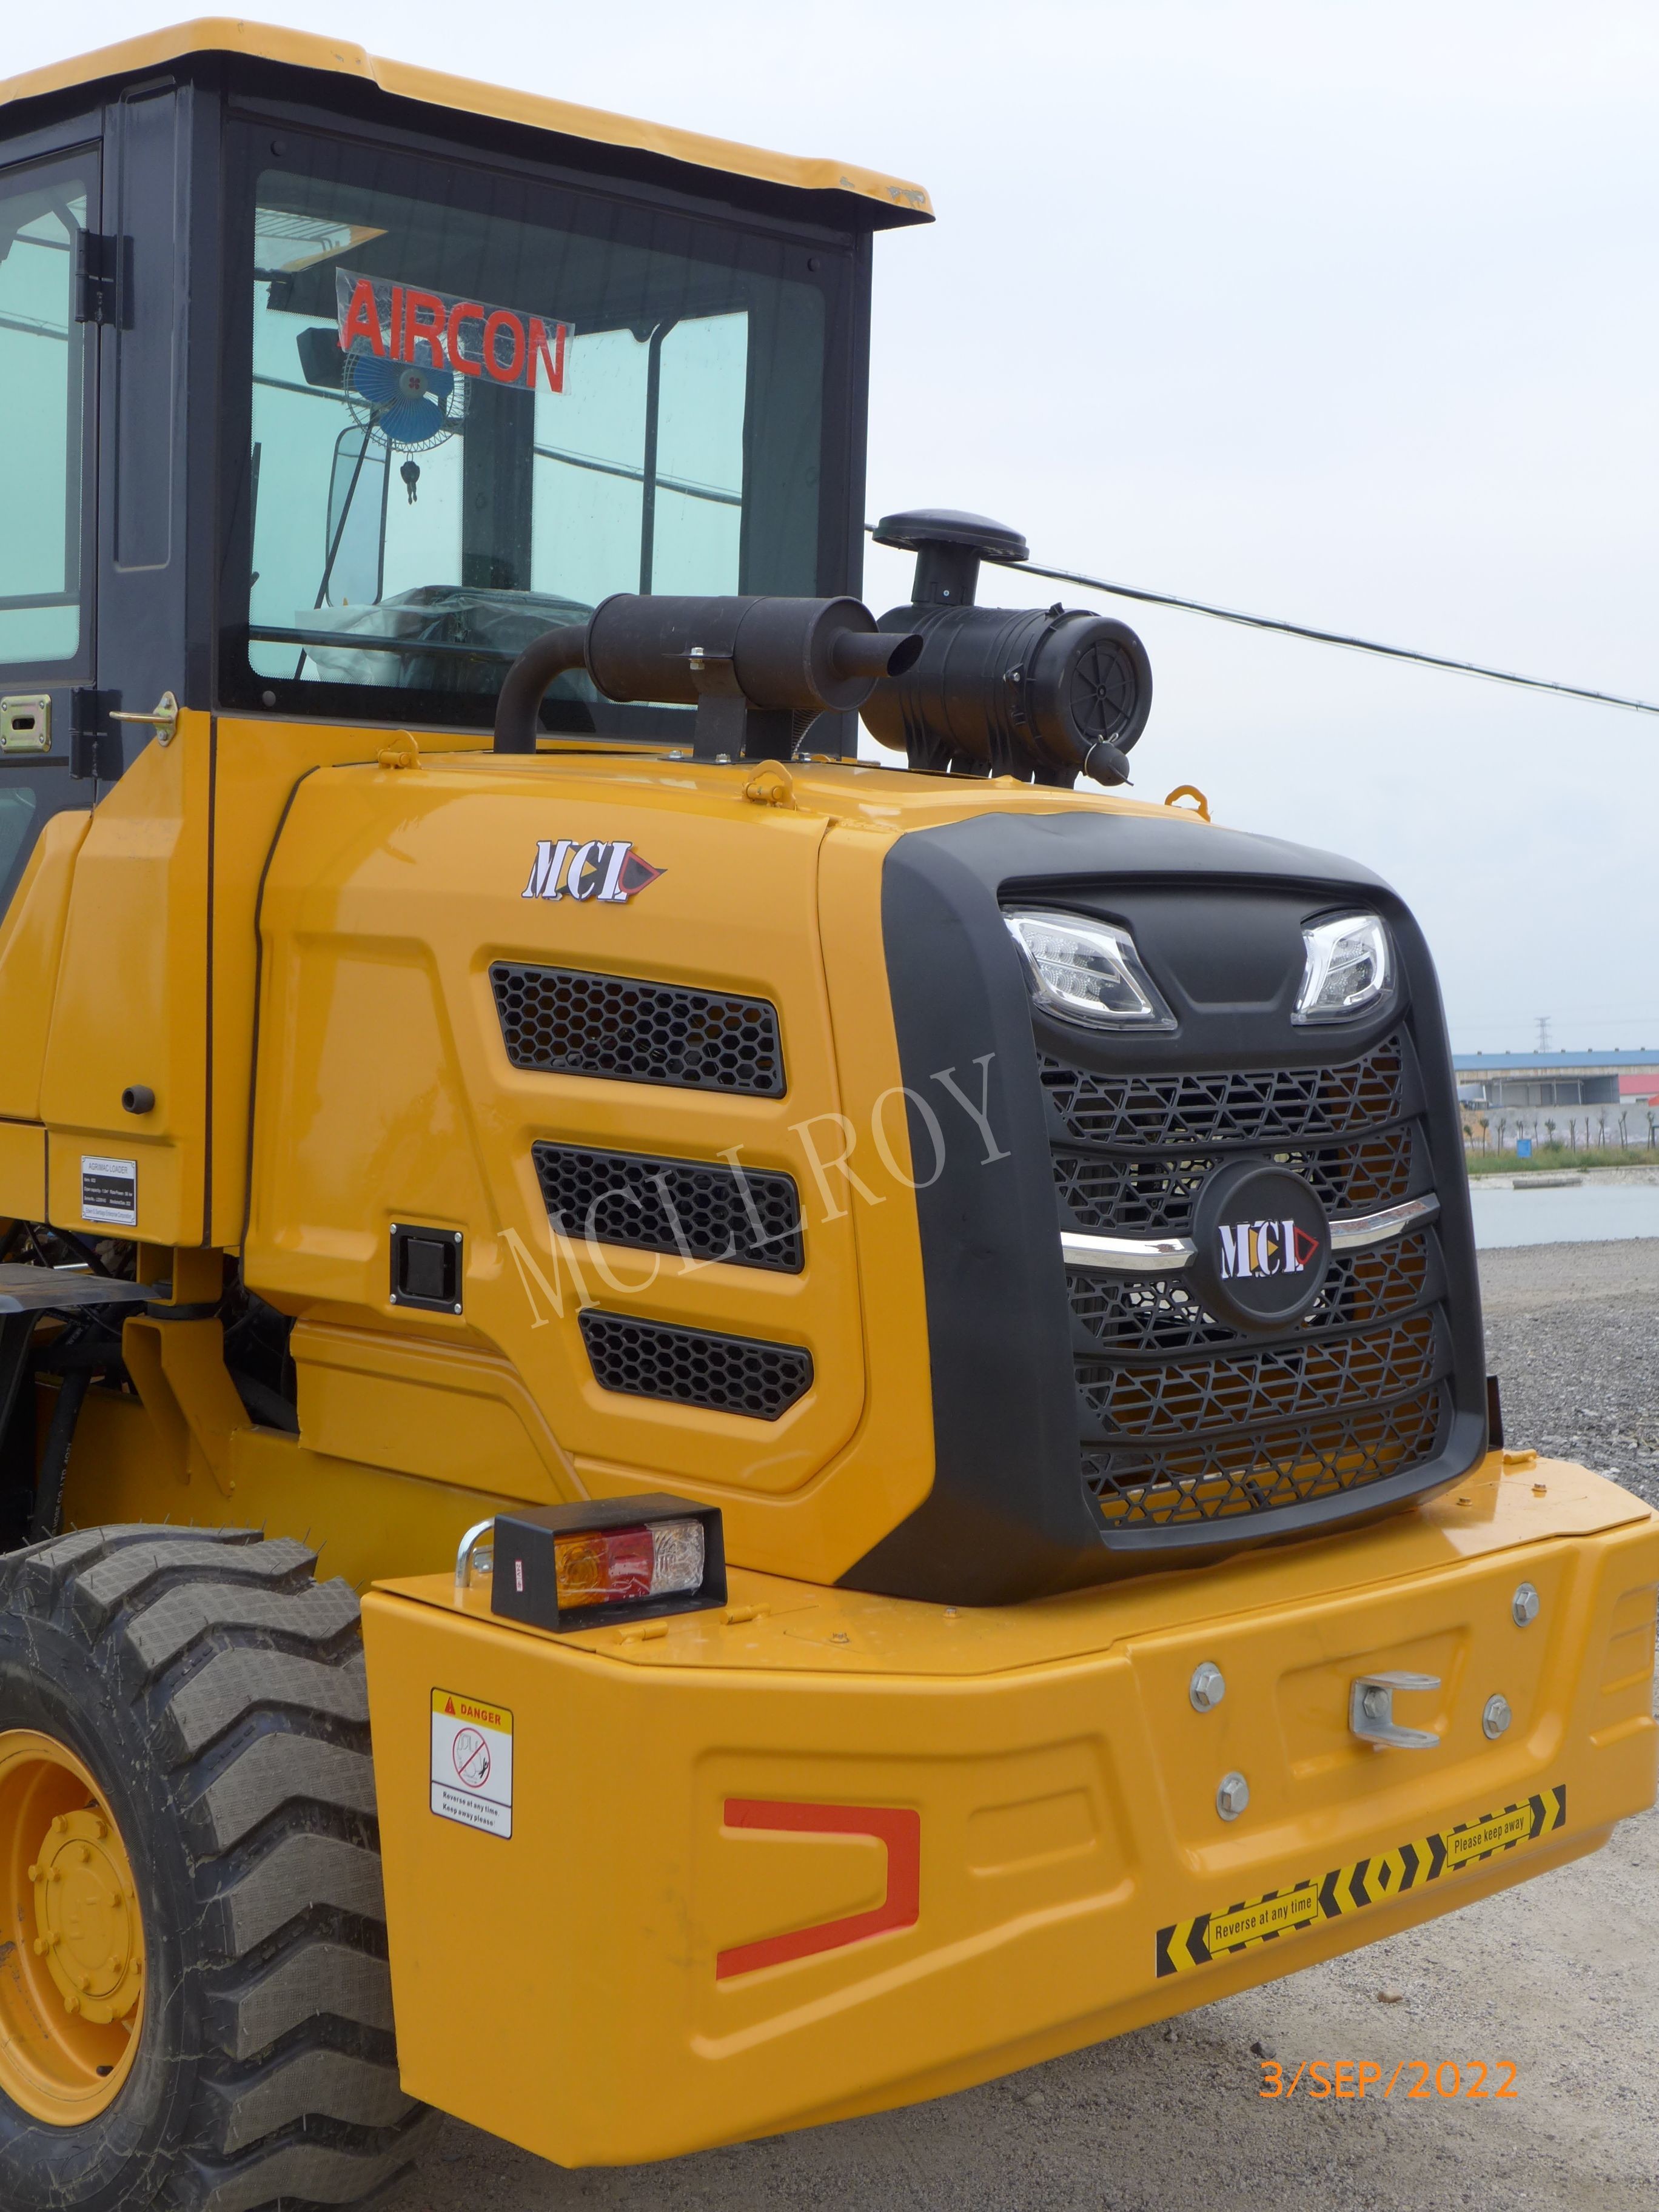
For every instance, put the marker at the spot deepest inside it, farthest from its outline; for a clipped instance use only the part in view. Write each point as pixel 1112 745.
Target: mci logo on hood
pixel 1251 1249
pixel 607 871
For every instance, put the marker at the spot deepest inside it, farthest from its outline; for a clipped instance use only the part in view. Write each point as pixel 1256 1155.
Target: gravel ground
pixel 1570 1331
pixel 1556 1977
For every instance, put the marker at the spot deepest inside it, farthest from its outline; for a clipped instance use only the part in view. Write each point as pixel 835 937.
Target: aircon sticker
pixel 441 331
pixel 472 1763
pixel 608 871
pixel 109 1191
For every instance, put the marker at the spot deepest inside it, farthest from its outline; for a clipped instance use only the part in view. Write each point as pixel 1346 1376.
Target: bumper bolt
pixel 1208 1688
pixel 1232 1796
pixel 1525 1606
pixel 1496 1716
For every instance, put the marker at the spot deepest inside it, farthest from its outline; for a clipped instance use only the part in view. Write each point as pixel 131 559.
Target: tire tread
pixel 244 1693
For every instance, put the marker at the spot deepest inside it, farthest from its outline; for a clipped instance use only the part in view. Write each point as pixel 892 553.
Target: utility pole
pixel 1543 1033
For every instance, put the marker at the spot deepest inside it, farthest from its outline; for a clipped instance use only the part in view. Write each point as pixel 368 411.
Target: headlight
pixel 1088 971
pixel 1347 968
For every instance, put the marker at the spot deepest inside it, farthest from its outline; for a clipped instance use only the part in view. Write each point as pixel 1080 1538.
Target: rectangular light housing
pixel 609 1559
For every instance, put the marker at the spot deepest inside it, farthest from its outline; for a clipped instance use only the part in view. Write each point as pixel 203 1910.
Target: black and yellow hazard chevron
pixel 1347 1889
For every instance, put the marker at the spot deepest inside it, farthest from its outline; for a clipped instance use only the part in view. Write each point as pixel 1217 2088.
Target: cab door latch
pixel 104 280
pixel 1370 1711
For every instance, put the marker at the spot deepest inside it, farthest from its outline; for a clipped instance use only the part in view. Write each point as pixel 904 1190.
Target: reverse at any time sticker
pixel 1345 1889
pixel 472 1762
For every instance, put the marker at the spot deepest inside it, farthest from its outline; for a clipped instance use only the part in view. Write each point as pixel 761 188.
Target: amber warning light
pixel 611 1558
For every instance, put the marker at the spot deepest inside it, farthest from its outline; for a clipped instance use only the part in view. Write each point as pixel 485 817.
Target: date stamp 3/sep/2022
pixel 1411 2078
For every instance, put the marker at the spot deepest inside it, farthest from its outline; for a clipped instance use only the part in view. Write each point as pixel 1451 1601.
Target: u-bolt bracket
pixel 1370 1711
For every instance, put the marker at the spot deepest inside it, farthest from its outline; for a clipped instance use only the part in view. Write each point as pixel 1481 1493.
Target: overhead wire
pixel 1320 636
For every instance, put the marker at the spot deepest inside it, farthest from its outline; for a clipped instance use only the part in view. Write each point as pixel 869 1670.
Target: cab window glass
pixel 476 414
pixel 17 806
pixel 43 212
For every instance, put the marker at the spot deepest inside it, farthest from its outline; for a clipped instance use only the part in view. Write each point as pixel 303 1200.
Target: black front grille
pixel 694 1367
pixel 1162 1313
pixel 1261 1106
pixel 1151 1194
pixel 749 1216
pixel 568 1022
pixel 1170 1400
pixel 1221 1479
pixel 1181 1418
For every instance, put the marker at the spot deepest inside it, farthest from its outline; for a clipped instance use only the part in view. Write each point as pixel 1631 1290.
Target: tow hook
pixel 1370 1711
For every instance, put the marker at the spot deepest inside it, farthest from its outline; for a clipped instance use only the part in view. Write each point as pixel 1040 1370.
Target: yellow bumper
pixel 654 1888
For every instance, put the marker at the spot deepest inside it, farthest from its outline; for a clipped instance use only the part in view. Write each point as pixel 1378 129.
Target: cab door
pixel 48 372
pixel 49 203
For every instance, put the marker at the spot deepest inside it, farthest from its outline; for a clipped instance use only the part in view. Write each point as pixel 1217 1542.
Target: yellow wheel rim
pixel 71 1939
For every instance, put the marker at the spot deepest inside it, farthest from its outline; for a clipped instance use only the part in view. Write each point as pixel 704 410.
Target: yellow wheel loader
pixel 694 1435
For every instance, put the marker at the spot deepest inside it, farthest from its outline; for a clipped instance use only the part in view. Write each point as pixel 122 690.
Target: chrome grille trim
pixel 1128 1255
pixel 1160 1255
pixel 1355 1230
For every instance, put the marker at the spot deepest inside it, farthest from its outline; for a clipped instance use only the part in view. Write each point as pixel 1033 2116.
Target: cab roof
pixel 888 201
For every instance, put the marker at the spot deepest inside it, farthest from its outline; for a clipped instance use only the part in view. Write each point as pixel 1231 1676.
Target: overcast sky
pixel 1338 311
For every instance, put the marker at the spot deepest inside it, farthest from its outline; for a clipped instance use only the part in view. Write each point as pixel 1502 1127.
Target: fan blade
pixel 375 381
pixel 412 423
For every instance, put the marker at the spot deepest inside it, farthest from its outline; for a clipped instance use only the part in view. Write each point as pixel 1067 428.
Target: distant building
pixel 1557 1078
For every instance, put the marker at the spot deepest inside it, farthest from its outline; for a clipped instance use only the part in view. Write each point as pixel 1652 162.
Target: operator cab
pixel 328 384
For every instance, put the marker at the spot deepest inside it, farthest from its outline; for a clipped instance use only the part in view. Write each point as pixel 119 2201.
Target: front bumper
pixel 825 1852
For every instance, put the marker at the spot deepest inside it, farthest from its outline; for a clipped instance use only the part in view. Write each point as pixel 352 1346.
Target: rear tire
pixel 214 1692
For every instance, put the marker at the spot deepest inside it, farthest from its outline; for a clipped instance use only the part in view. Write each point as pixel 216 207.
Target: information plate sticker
pixel 109 1191
pixel 472 1762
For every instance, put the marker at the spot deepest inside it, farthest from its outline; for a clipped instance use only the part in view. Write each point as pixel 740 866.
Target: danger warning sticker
pixel 1348 1889
pixel 472 1762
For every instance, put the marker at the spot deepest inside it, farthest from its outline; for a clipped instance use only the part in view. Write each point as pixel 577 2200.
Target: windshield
pixel 478 407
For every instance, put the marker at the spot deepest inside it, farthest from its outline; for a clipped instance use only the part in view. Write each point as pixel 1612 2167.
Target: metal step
pixel 56 1290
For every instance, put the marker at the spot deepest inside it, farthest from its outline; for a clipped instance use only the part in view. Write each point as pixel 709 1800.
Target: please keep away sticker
pixel 472 1762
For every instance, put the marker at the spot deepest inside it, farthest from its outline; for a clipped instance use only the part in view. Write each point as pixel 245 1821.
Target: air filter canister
pixel 1039 693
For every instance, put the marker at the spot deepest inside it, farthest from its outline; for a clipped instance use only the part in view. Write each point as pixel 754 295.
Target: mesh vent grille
pixel 1243 1106
pixel 749 1218
pixel 566 1023
pixel 692 1367
pixel 1237 1476
pixel 1162 1313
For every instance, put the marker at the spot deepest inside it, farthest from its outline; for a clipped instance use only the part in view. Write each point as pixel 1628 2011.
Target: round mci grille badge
pixel 1263 1243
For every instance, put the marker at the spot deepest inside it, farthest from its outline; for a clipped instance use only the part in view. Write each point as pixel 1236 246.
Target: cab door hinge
pixel 95 748
pixel 104 280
